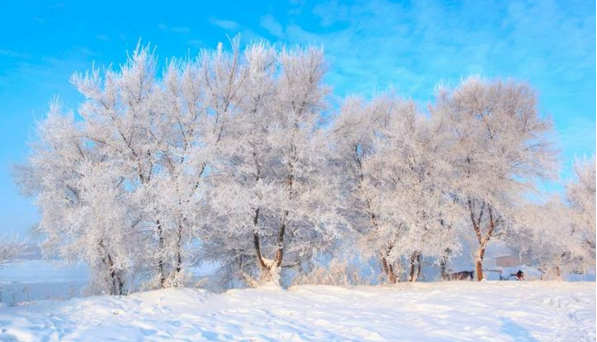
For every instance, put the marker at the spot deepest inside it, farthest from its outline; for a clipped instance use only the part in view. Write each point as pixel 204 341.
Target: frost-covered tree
pixel 118 117
pixel 354 133
pixel 562 231
pixel 412 156
pixel 122 178
pixel 499 148
pixel 560 234
pixel 396 182
pixel 197 101
pixel 78 193
pixel 10 249
pixel 549 235
pixel 150 162
pixel 226 158
pixel 581 196
pixel 271 196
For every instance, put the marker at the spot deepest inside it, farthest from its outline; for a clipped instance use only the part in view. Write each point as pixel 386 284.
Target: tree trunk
pixel 443 265
pixel 280 252
pixel 161 274
pixel 479 262
pixel 178 268
pixel 419 265
pixel 256 242
pixel 267 270
pixel 482 238
pixel 415 266
pixel 116 281
pixel 116 284
pixel 389 271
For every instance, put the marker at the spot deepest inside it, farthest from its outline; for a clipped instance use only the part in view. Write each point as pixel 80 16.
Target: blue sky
pixel 371 46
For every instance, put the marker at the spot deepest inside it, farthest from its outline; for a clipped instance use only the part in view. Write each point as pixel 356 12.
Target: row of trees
pixel 236 157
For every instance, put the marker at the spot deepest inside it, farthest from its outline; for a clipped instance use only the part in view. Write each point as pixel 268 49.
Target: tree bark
pixel 265 269
pixel 415 266
pixel 483 239
pixel 419 265
pixel 179 250
pixel 282 232
pixel 479 262
pixel 116 281
pixel 257 243
pixel 161 274
pixel 443 265
pixel 389 271
pixel 280 251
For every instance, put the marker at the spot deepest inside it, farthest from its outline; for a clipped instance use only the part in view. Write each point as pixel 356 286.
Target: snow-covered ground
pixel 448 311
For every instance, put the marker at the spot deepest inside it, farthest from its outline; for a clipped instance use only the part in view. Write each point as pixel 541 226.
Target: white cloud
pixel 180 29
pixel 272 26
pixel 228 25
pixel 174 29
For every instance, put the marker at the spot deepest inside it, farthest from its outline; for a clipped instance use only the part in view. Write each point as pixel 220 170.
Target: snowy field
pixel 449 311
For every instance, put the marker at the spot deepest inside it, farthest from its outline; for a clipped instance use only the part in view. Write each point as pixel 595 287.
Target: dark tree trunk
pixel 415 266
pixel 479 262
pixel 280 251
pixel 161 266
pixel 179 250
pixel 419 265
pixel 389 271
pixel 443 265
pixel 116 281
pixel 483 239
pixel 256 242
pixel 266 269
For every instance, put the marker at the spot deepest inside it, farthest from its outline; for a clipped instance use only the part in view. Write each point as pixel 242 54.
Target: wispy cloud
pixel 412 45
pixel 14 54
pixel 228 25
pixel 272 26
pixel 174 29
pixel 373 46
pixel 48 72
pixel 233 28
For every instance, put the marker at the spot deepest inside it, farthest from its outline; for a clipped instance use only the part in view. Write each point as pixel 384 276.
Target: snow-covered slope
pixel 449 311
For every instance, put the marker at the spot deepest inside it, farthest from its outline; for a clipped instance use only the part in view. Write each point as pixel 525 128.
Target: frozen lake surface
pixel 41 279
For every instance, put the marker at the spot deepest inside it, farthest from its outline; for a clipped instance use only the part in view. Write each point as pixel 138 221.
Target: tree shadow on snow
pixel 517 331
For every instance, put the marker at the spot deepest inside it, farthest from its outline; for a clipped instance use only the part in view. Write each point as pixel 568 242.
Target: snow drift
pixel 454 311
